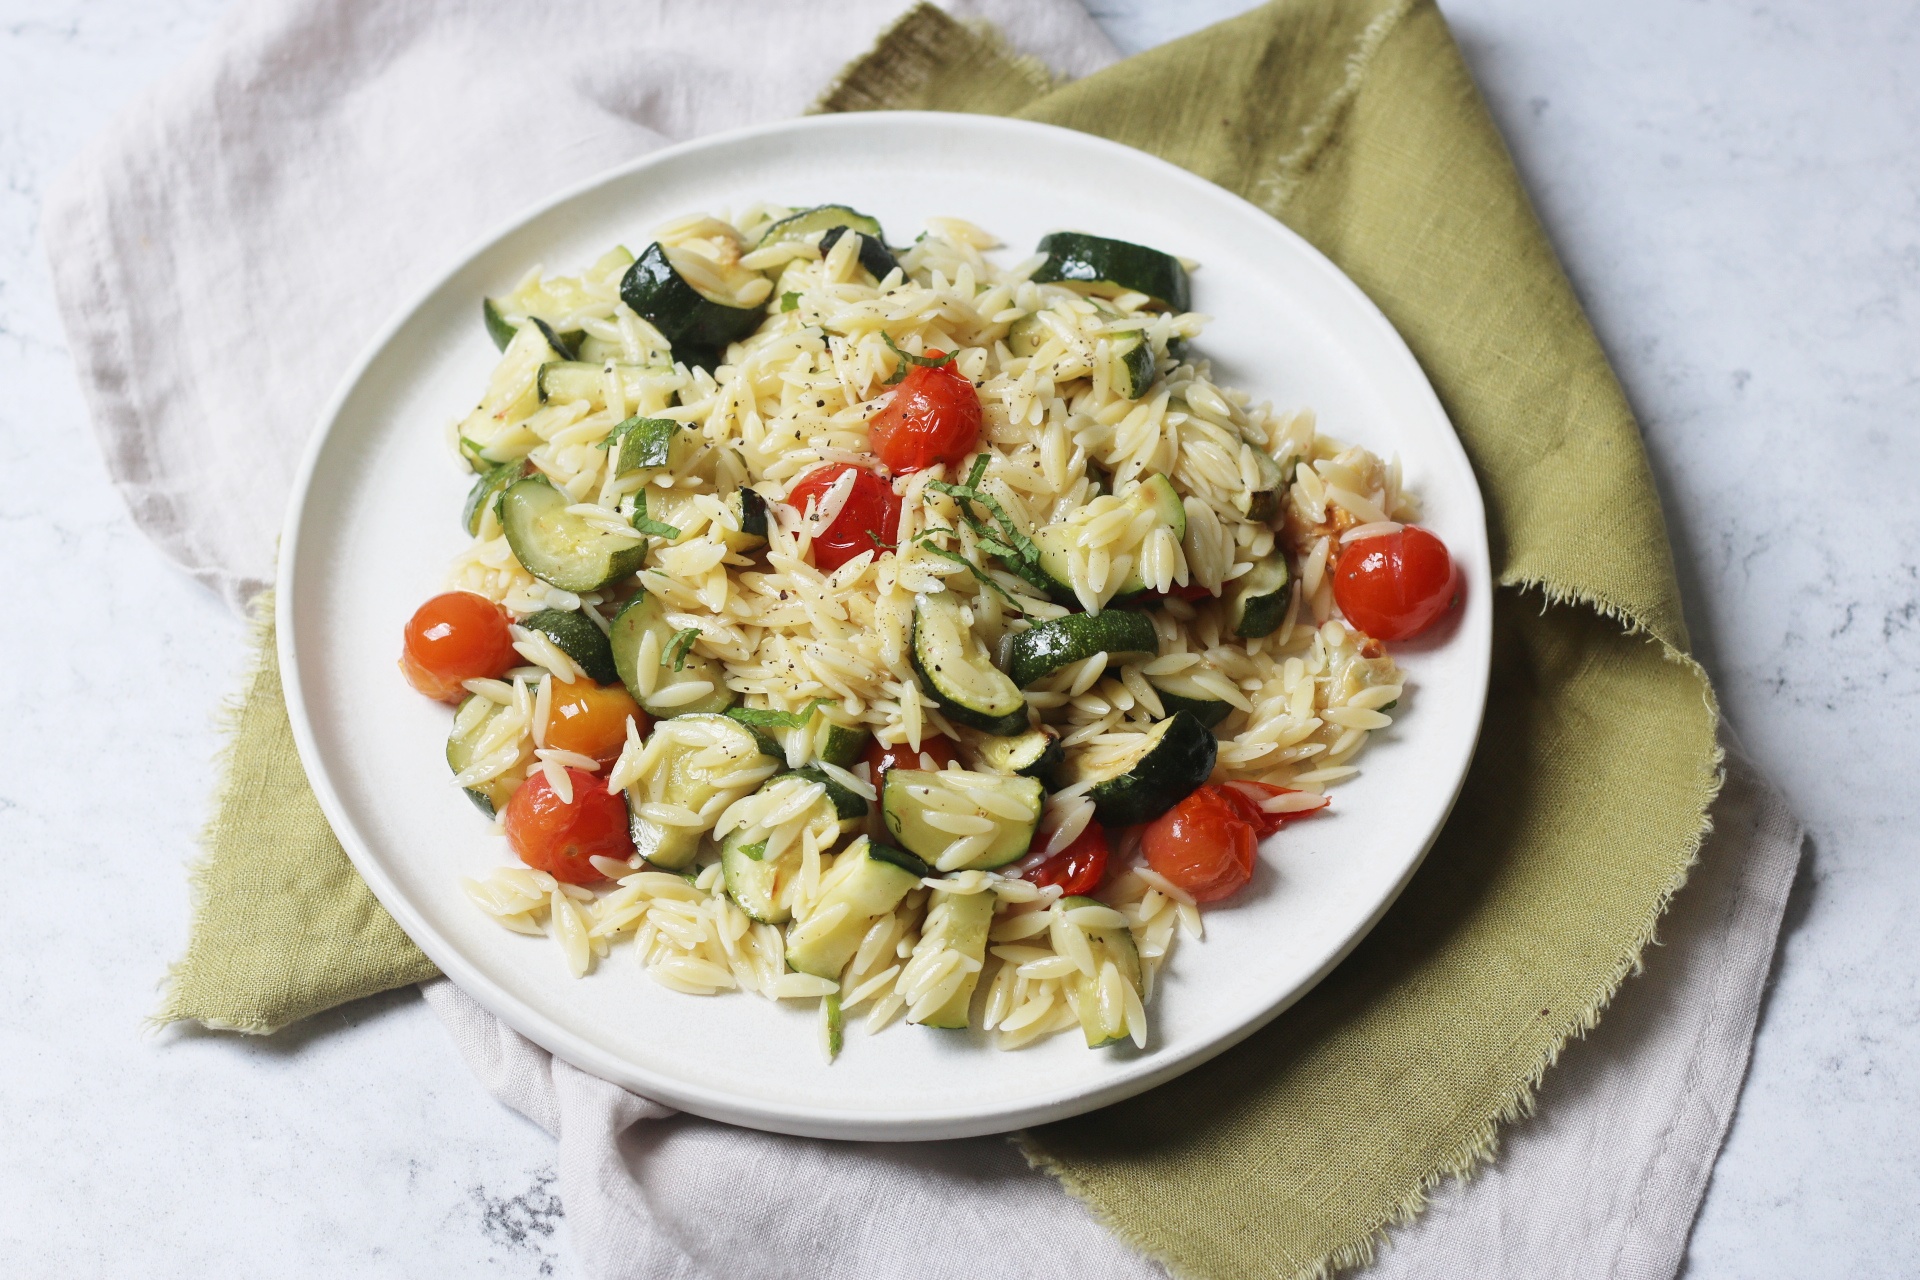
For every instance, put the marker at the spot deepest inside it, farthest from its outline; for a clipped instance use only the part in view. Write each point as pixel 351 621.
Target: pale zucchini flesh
pixel 957 922
pixel 910 799
pixel 690 786
pixel 869 880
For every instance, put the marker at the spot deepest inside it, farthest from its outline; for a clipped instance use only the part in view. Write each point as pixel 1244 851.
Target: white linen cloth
pixel 317 164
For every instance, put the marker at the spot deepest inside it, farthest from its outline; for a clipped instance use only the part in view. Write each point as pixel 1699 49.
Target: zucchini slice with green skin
pixel 865 883
pixel 1055 542
pixel 645 615
pixel 956 922
pixel 1134 362
pixel 875 257
pixel 839 744
pixel 747 518
pixel 1106 267
pixel 697 327
pixel 1179 692
pixel 1100 1021
pixel 955 669
pixel 752 882
pixel 502 330
pixel 492 433
pixel 1263 504
pixel 822 217
pixel 1173 758
pixel 577 637
pixel 486 491
pixel 1257 600
pixel 691 786
pixel 1042 649
pixel 1033 754
pixel 560 548
pixel 563 380
pixel 563 344
pixel 849 810
pixel 914 801
pixel 470 725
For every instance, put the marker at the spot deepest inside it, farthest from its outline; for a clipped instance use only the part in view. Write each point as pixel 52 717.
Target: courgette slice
pixel 563 344
pixel 1033 754
pixel 645 615
pixel 955 669
pixel 1173 758
pixel 1100 1020
pixel 697 327
pixel 866 882
pixel 502 330
pixel 917 802
pixel 956 922
pixel 1045 647
pixel 1263 504
pixel 811 222
pixel 1257 600
pixel 746 524
pixel 849 809
pixel 839 744
pixel 560 548
pixel 487 435
pixel 486 491
pixel 752 882
pixel 564 380
pixel 1154 492
pixel 874 256
pixel 470 726
pixel 1133 354
pixel 692 781
pixel 1180 692
pixel 577 637
pixel 1104 268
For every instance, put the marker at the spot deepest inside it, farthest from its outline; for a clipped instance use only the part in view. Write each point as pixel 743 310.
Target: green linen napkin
pixel 1356 123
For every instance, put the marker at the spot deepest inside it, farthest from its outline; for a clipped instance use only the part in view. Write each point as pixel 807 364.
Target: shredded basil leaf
pixel 980 575
pixel 644 525
pixel 678 650
pixel 908 359
pixel 789 301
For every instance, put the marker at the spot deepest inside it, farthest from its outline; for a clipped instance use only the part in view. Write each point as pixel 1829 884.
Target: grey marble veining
pixel 1735 190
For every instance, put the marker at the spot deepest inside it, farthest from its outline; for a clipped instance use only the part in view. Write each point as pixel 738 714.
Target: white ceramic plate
pixel 374 524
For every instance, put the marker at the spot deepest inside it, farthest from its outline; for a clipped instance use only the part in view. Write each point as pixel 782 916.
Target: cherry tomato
pixel 1078 868
pixel 1395 585
pixel 1204 844
pixel 1192 591
pixel 452 638
pixel 1239 794
pixel 879 759
pixel 870 518
pixel 558 836
pixel 934 417
pixel 592 719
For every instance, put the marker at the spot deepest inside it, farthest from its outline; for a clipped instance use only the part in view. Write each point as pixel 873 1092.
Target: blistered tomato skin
pixel 934 417
pixel 1080 867
pixel 936 746
pixel 591 719
pixel 1239 794
pixel 560 836
pixel 454 638
pixel 868 521
pixel 1205 845
pixel 1393 586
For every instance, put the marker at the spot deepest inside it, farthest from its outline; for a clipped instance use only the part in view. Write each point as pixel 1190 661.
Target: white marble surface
pixel 1736 192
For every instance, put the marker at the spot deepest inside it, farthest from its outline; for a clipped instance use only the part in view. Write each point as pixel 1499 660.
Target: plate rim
pixel 808 1120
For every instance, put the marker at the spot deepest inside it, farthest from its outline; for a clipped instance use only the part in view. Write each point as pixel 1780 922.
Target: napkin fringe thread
pixel 917 45
pixel 1482 1143
pixel 174 1004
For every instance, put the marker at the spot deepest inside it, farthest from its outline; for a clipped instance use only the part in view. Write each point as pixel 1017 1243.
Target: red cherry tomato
pixel 1192 591
pixel 1240 795
pixel 880 759
pixel 1204 844
pixel 869 521
pixel 1395 585
pixel 934 417
pixel 592 719
pixel 1080 867
pixel 452 638
pixel 558 836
